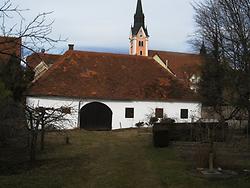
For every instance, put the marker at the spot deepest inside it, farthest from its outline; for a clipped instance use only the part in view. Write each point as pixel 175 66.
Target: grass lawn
pixel 116 159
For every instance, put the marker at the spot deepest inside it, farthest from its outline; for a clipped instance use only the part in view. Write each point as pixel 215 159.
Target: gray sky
pixel 104 25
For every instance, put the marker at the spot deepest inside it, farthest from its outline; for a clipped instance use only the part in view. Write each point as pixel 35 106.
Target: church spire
pixel 139 19
pixel 139 10
pixel 139 33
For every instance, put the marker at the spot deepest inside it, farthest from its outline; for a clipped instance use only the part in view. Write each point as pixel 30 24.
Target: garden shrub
pixel 139 124
pixel 160 136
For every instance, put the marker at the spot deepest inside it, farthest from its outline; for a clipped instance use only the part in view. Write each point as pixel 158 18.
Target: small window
pixel 129 113
pixel 66 110
pixel 184 113
pixel 159 112
pixel 140 52
pixel 140 43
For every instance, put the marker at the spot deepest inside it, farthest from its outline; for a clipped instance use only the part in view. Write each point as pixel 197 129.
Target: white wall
pixel 57 103
pixel 141 109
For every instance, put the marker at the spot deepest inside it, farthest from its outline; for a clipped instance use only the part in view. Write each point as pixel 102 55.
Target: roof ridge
pixel 185 53
pixel 107 53
pixel 41 53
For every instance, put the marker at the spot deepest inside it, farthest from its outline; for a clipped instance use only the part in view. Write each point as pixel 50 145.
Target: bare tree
pixel 35 34
pixel 19 33
pixel 41 119
pixel 224 27
pixel 31 35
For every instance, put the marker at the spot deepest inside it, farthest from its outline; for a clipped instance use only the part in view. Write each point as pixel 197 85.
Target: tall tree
pixel 16 33
pixel 27 35
pixel 20 36
pixel 15 77
pixel 224 26
pixel 4 92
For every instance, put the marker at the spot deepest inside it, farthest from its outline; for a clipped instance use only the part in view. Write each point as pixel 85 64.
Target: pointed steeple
pixel 139 19
pixel 139 33
pixel 139 8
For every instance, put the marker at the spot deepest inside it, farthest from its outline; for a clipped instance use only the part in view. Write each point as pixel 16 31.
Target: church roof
pixel 183 65
pixel 109 76
pixel 136 29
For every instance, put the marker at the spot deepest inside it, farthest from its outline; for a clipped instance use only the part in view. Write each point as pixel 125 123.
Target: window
pixel 159 112
pixel 66 110
pixel 184 113
pixel 140 52
pixel 129 113
pixel 140 43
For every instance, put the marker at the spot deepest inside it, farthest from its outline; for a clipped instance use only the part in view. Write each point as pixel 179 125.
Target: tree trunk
pixel 67 139
pixel 33 145
pixel 211 161
pixel 28 138
pixel 211 152
pixel 248 111
pixel 42 136
pixel 34 134
pixel 42 129
pixel 248 126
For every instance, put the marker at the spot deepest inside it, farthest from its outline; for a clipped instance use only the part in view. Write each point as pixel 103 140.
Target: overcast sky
pixel 104 25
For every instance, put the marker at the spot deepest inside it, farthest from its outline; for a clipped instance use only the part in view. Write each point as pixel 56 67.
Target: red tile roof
pixel 109 76
pixel 34 59
pixel 9 46
pixel 183 65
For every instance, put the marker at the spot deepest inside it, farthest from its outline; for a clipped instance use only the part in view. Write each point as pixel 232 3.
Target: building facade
pixel 118 114
pixel 106 91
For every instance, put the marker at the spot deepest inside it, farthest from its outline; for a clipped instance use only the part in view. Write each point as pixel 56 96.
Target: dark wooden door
pixel 96 116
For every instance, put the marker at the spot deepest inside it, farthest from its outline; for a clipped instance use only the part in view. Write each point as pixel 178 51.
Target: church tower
pixel 139 33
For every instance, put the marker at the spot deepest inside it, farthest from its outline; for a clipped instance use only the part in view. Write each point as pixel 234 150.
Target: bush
pixel 152 121
pixel 139 124
pixel 167 120
pixel 194 131
pixel 160 136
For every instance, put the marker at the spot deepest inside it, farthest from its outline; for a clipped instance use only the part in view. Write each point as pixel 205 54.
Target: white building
pixel 111 91
pixel 107 91
pixel 116 114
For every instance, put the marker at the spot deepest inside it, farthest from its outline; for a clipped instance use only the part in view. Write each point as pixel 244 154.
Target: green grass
pixel 123 159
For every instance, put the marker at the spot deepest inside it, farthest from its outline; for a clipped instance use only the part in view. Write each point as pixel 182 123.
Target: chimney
pixel 43 51
pixel 71 46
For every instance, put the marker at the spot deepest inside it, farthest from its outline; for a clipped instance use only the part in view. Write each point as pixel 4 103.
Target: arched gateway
pixel 96 116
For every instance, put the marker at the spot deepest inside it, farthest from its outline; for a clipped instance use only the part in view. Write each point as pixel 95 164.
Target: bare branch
pixel 35 34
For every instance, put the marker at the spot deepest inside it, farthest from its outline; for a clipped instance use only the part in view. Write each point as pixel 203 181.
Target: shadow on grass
pixel 8 168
